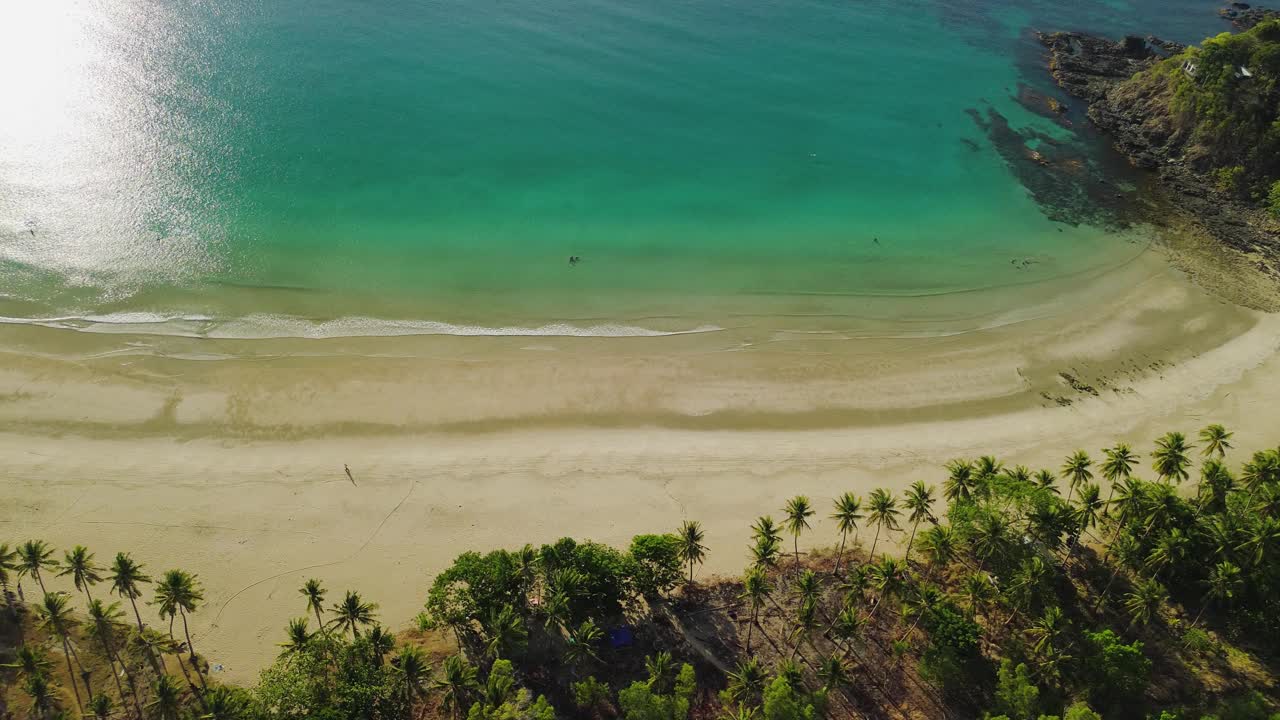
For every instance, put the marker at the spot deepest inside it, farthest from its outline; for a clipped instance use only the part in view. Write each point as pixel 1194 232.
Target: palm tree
pixel 55 615
pixel 747 683
pixel 764 554
pixel 1048 629
pixel 126 577
pixel 691 548
pixel 808 587
pixel 1170 459
pixel 34 556
pixel 1076 470
pixel 382 642
pixel 296 637
pixel 8 563
pixel 1045 480
pixel 990 538
pixel 1216 441
pixel 755 590
pixel 978 590
pixel 105 619
pixel 833 672
pixel 1118 466
pixel 313 590
pixel 1262 540
pixel 1169 551
pixel 1216 483
pixel 919 500
pixel 1088 507
pixel 353 613
pixel 101 706
pixel 78 563
pixel 740 712
pixel 847 627
pixel 582 642
pixel 1222 584
pixel 413 673
pixel 228 703
pixel 888 578
pixel 167 704
pixel 507 632
pixel 939 545
pixel 985 470
pixel 457 684
pixel 798 513
pixel 30 660
pixel 662 672
pixel 848 513
pixel 179 592
pixel 884 513
pixel 43 693
pixel 806 623
pixel 766 529
pixel 1144 602
pixel 790 672
pixel 960 481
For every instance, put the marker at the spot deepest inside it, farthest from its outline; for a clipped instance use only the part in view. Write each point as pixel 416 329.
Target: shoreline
pixel 233 469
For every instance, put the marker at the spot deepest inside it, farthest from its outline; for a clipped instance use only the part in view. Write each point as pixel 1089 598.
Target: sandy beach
pixel 225 457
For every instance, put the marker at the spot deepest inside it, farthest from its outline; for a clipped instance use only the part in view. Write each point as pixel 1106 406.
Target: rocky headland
pixel 1202 119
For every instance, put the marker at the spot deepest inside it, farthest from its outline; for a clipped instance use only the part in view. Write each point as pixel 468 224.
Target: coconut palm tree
pixel 1048 630
pixel 833 672
pixel 1221 586
pixel 977 590
pixel 105 619
pixel 746 683
pixel 1216 483
pixel 960 481
pixel 228 703
pixel 805 625
pixel 986 469
pixel 353 613
pixel 1088 508
pixel 78 563
pixel 847 627
pixel 1144 602
pixel 297 637
pixel 1076 469
pixel 583 642
pixel 457 684
pixel 765 528
pixel 991 538
pixel 1118 466
pixel 179 592
pixel 8 563
pixel 1046 480
pixel 848 513
pixel 126 578
pixel 43 693
pixel 1170 550
pixel 884 513
pixel 30 660
pixel 755 590
pixel 855 586
pixel 100 706
pixel 54 614
pixel 798 512
pixel 691 548
pixel 764 553
pixel 918 500
pixel 662 672
pixel 739 712
pixel 1170 459
pixel 807 587
pixel 313 590
pixel 888 578
pixel 381 643
pixel 938 543
pixel 413 674
pixel 507 633
pixel 167 702
pixel 34 556
pixel 1262 540
pixel 1216 439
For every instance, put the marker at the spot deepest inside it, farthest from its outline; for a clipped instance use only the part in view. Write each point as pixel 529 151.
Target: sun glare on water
pixel 90 181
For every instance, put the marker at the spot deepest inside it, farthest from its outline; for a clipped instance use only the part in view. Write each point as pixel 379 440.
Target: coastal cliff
pixel 1206 119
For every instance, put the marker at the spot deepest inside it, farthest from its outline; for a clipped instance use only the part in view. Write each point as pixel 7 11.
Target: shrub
pixel 1273 199
pixel 1016 694
pixel 1228 179
pixel 657 563
pixel 1118 672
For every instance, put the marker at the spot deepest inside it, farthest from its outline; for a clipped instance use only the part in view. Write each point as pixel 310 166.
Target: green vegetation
pixel 1016 595
pixel 1222 102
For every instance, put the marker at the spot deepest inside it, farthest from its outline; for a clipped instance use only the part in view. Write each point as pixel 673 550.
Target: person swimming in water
pixel 574 259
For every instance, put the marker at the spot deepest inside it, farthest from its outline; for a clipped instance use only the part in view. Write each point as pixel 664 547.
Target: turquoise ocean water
pixel 246 164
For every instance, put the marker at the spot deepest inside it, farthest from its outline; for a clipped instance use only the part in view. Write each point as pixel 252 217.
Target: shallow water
pixel 323 167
